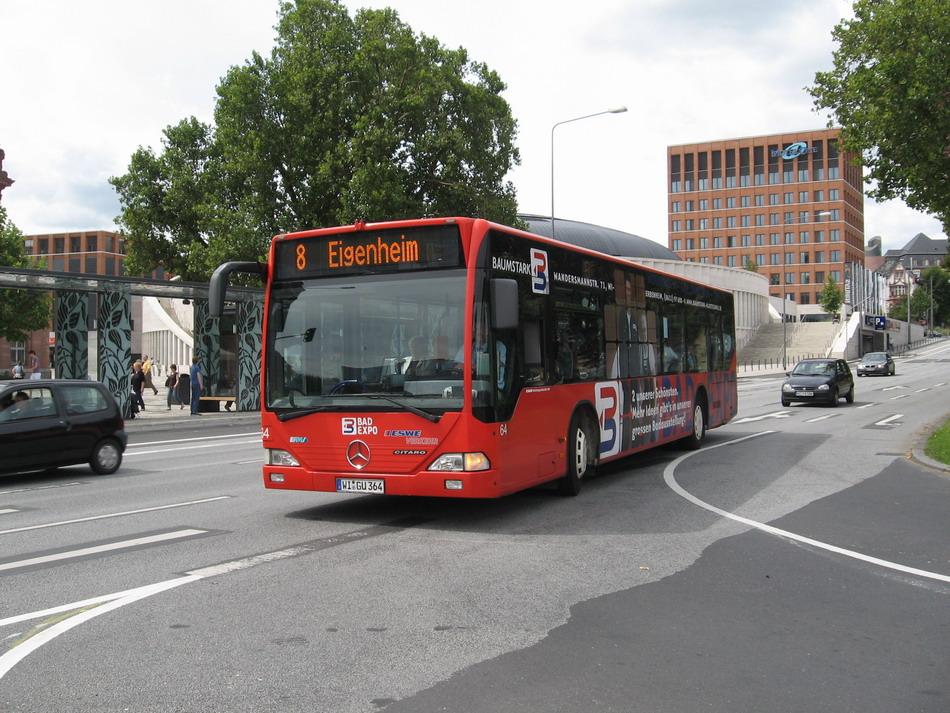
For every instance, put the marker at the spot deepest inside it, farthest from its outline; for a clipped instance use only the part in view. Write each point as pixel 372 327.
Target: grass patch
pixel 938 445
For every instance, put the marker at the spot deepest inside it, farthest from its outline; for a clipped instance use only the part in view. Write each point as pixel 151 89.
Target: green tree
pixel 349 118
pixel 830 298
pixel 21 311
pixel 750 265
pixel 889 92
pixel 934 289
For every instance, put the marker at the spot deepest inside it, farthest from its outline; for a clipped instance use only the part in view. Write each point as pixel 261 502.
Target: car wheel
pixel 834 398
pixel 850 397
pixel 786 403
pixel 106 457
pixel 580 458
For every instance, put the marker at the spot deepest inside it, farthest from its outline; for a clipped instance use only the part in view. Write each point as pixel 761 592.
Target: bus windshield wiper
pixel 299 413
pixel 411 409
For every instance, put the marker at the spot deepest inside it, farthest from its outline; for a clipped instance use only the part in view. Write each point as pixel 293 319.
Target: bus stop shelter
pixel 113 320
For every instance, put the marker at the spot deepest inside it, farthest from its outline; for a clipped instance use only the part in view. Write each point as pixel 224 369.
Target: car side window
pixel 29 403
pixel 83 399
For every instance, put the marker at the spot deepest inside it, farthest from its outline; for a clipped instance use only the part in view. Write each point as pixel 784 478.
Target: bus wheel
pixel 695 439
pixel 580 458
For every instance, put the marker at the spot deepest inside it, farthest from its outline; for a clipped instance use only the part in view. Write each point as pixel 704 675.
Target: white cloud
pixel 88 84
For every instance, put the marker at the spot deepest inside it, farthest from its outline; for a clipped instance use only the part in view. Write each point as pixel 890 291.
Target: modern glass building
pixel 790 205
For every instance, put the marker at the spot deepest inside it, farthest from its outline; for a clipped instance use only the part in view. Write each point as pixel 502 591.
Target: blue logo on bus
pixel 540 272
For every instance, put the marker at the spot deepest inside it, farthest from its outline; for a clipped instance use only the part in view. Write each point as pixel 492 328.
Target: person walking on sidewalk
pixel 171 383
pixel 138 384
pixel 147 370
pixel 35 371
pixel 196 385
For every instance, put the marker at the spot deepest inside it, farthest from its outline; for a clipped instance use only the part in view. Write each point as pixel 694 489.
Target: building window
pixel 835 276
pixel 717 203
pixel 819 196
pixel 834 194
pixel 803 258
pixel 759 239
pixel 803 237
pixel 834 255
pixel 690 244
pixel 775 258
pixel 789 258
pixel 803 196
pixel 789 278
pixel 805 298
pixel 819 256
pixel 17 352
pixel 75 244
pixel 91 243
pixel 704 204
pixel 775 239
pixel 789 238
pixel 775 278
pixel 819 278
pixel 59 245
pixel 732 261
pixel 704 243
pixel 677 226
pixel 806 278
pixel 676 245
pixel 717 242
pixel 819 236
pixel 788 198
pixel 760 259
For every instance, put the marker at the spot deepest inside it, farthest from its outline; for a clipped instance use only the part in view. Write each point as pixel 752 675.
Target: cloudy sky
pixel 85 84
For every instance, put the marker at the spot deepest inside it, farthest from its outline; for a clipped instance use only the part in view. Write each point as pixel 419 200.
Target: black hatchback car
pixel 819 381
pixel 51 423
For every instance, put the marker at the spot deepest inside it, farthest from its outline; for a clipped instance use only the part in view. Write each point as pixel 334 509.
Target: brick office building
pixel 788 203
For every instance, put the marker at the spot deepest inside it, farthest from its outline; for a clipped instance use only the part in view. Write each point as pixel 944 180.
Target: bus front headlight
pixel 280 458
pixel 461 462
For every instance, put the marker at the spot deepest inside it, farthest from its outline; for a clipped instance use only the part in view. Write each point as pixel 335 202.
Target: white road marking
pixel 7 511
pixel 96 549
pixel 901 396
pixel 668 476
pixel 39 487
pixel 114 514
pixel 887 420
pixel 166 450
pixel 99 606
pixel 774 414
pixel 199 438
pixel 820 418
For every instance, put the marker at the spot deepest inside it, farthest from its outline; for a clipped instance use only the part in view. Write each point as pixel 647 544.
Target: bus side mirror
pixel 219 282
pixel 504 303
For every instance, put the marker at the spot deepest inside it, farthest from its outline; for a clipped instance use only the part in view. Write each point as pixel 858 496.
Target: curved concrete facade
pixel 751 290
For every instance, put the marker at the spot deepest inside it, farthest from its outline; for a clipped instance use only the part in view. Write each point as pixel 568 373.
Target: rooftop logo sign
pixel 795 150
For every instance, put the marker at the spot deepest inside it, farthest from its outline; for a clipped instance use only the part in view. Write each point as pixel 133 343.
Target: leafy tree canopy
pixel 349 118
pixel 830 298
pixel 889 92
pixel 21 311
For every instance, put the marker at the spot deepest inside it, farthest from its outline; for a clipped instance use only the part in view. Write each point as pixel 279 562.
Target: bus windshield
pixel 376 343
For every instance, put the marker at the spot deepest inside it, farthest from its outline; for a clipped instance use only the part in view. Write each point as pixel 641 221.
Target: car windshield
pixel 814 368
pixel 875 358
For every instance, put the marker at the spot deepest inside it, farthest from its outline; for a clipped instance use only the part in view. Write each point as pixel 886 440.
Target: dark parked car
pixel 876 363
pixel 819 380
pixel 50 423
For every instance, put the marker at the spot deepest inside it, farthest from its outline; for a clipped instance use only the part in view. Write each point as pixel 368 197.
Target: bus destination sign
pixel 369 251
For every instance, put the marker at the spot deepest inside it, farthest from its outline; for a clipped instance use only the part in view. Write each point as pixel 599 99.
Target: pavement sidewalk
pixel 158 417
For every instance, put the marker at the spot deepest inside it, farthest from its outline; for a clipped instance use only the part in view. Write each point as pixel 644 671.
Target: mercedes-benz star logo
pixel 357 453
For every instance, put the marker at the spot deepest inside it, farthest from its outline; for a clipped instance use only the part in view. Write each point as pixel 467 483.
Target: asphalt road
pixel 798 562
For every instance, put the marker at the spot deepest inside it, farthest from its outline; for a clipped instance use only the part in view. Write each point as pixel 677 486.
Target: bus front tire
pixel 580 458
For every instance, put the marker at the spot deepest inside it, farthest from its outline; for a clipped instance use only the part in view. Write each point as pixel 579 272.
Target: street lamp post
pixel 787 221
pixel 617 110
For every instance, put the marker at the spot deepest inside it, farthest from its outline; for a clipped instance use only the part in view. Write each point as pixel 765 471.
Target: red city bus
pixel 457 357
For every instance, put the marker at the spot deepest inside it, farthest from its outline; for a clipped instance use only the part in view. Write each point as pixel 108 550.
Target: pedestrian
pixel 171 383
pixel 138 385
pixel 35 371
pixel 196 385
pixel 18 370
pixel 147 370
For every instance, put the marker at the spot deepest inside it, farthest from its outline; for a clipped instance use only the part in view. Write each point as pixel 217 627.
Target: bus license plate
pixel 360 485
pixel 804 393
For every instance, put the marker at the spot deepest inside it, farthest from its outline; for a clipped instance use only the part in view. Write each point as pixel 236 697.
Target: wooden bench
pixel 207 404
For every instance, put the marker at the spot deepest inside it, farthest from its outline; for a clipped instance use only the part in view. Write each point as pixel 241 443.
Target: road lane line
pixel 98 549
pixel 91 518
pixel 197 438
pixel 670 479
pixel 12 657
pixel 887 420
pixel 167 450
pixel 820 418
pixel 39 487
